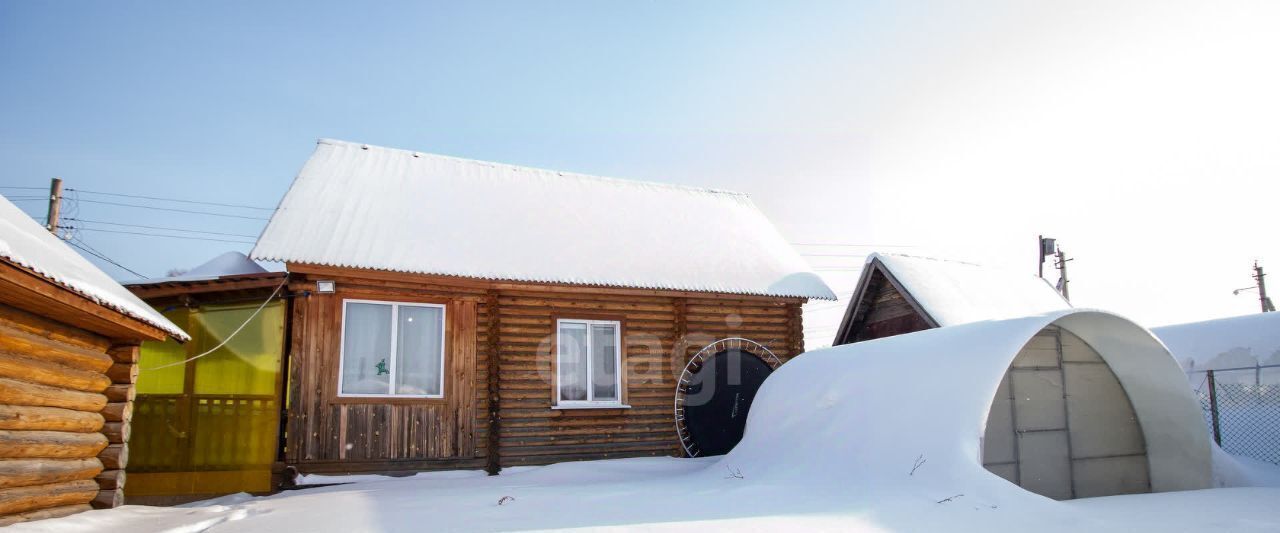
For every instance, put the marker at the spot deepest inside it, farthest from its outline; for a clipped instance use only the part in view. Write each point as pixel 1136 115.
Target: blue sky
pixel 1129 131
pixel 224 102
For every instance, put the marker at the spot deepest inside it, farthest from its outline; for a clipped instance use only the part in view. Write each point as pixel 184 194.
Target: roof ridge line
pixel 938 259
pixel 561 173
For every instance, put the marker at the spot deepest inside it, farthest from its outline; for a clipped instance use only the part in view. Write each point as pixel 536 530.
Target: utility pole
pixel 1061 263
pixel 1049 248
pixel 1262 288
pixel 55 206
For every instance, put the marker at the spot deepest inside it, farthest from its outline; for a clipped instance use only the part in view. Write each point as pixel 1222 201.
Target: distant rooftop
pixel 1234 342
pixel 226 264
pixel 954 292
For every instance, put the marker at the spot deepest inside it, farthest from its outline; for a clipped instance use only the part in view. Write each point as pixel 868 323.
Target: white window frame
pixel 391 357
pixel 591 403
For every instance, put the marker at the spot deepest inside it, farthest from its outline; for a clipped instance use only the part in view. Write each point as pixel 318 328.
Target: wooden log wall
pixel 661 334
pixel 516 324
pixel 117 413
pixel 53 408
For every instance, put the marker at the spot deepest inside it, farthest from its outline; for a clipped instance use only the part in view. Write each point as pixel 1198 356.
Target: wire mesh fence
pixel 1242 409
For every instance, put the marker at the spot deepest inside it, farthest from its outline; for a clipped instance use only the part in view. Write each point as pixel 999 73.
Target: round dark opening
pixel 717 399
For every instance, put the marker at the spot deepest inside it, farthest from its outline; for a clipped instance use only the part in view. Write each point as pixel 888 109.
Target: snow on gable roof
pixel 1224 343
pixel 226 264
pixel 26 243
pixel 363 206
pixel 954 292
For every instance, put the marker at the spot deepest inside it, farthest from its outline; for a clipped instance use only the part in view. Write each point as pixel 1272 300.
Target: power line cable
pixel 834 255
pixel 233 333
pixel 105 258
pixel 23 188
pixel 173 210
pixel 164 199
pixel 851 245
pixel 72 207
pixel 78 228
pixel 159 228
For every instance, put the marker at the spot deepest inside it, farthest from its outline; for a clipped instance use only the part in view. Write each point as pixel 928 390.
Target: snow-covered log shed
pixel 899 294
pixel 69 339
pixel 452 313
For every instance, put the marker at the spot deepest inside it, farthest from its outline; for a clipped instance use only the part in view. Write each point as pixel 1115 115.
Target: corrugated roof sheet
pixel 28 244
pixel 362 206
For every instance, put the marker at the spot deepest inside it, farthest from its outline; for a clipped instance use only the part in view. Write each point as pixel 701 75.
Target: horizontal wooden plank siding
pixel 515 321
pixel 329 434
pixel 886 312
pixel 534 433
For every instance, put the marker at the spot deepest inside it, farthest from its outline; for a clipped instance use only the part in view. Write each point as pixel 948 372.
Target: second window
pixel 588 360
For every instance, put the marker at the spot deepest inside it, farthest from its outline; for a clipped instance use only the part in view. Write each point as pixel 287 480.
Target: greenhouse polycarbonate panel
pixel 1073 427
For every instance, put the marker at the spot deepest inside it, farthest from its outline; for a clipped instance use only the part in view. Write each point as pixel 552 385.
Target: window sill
pixel 386 400
pixel 601 405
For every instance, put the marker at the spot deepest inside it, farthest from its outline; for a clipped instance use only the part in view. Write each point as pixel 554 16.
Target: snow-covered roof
pixel 362 206
pixel 26 243
pixel 1224 343
pixel 867 410
pixel 226 264
pixel 954 292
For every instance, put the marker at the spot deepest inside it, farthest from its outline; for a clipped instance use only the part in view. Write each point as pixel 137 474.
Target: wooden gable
pixel 881 307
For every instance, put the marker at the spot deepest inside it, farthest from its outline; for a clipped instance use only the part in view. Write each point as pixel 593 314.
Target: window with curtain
pixel 588 360
pixel 392 349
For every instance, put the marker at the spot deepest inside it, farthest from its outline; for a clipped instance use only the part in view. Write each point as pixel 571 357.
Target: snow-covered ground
pixel 876 436
pixel 667 493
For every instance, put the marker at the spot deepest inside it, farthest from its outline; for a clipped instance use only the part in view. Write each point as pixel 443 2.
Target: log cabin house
pixel 69 339
pixel 899 294
pixel 451 313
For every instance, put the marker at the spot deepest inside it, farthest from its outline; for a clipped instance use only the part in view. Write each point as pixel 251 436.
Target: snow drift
pixel 876 409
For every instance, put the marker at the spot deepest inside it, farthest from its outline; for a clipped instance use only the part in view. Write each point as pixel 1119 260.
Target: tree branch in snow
pixel 734 473
pixel 920 461
pixel 945 500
